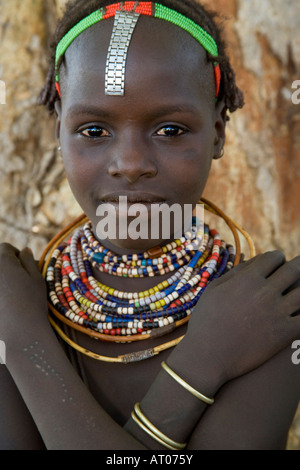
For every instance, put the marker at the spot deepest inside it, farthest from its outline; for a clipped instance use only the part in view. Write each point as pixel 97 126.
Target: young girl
pixel 160 342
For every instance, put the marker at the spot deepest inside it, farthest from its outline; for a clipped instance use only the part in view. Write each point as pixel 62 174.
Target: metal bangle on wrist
pixel 146 425
pixel 189 388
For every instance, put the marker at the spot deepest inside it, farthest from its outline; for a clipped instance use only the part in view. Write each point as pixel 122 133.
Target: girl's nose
pixel 132 160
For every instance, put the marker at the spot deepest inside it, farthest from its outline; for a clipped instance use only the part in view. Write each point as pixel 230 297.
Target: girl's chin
pixel 128 246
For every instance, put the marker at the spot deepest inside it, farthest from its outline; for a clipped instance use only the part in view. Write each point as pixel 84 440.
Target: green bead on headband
pixel 134 9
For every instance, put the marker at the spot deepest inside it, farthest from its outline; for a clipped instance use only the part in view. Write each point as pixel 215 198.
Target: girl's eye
pixel 95 132
pixel 170 131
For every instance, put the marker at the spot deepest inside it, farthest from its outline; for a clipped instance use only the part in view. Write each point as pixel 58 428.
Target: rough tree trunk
pixel 34 196
pixel 256 182
pixel 258 178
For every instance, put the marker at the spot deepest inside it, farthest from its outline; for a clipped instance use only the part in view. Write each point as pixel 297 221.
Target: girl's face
pixel 155 143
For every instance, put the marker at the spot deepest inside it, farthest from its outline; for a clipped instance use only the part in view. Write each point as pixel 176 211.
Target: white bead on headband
pixel 125 22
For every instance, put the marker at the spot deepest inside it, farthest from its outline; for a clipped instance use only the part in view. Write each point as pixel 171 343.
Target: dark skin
pixel 134 135
pixel 240 354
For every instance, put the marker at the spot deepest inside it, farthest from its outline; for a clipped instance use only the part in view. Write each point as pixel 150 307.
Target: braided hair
pixel 76 10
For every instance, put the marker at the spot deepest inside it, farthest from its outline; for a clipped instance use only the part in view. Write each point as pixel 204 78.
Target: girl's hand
pixel 23 293
pixel 248 315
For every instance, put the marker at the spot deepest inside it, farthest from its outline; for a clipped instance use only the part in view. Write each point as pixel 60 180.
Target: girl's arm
pixel 235 343
pixel 66 414
pixel 256 410
pixel 17 429
pixel 253 412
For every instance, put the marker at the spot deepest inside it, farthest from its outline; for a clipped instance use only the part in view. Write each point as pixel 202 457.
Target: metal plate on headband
pixel 123 28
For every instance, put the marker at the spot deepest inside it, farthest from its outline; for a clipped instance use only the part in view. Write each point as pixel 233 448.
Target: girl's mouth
pixel 132 197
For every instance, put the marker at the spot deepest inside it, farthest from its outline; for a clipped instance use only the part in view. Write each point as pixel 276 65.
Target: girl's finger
pixel 29 263
pixel 291 302
pixel 8 249
pixel 269 262
pixel 287 275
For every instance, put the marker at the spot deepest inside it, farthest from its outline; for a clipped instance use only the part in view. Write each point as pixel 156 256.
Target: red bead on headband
pixel 217 71
pixel 144 8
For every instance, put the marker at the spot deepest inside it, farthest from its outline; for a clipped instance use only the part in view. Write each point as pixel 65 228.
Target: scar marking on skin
pixel 36 356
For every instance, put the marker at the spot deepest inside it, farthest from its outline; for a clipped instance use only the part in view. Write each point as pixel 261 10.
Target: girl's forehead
pixel 158 53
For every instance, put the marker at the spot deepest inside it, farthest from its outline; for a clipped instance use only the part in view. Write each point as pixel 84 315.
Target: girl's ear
pixel 58 119
pixel 220 126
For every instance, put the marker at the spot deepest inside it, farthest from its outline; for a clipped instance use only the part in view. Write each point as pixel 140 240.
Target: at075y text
pixel 170 459
pixel 152 459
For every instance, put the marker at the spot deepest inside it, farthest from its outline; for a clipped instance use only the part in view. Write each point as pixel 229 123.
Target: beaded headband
pixel 126 15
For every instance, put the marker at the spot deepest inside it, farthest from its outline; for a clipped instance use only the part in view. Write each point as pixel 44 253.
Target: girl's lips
pixel 128 206
pixel 132 198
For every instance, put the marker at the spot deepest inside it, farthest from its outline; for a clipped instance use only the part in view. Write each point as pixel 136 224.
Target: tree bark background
pixel 256 182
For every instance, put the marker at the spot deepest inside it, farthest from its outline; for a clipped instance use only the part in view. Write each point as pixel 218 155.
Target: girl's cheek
pixel 79 164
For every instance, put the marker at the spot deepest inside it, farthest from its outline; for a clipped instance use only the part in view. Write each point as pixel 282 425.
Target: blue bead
pixel 98 257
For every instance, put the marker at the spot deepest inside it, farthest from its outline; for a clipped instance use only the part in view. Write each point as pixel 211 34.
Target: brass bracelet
pixel 193 391
pixel 152 431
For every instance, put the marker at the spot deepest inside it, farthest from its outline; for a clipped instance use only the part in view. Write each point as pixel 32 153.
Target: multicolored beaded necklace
pixel 79 300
